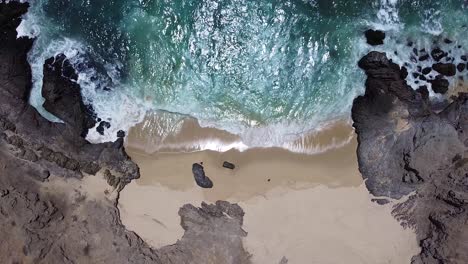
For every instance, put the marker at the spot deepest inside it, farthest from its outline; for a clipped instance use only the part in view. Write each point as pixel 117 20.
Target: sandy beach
pixel 307 208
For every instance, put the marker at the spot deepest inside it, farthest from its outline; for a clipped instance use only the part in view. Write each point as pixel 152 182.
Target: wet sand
pixel 307 208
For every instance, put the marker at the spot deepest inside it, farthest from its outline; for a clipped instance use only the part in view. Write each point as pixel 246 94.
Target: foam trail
pixel 388 15
pixel 431 23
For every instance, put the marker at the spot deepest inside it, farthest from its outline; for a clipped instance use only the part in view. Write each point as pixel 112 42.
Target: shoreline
pixel 168 133
pixel 331 204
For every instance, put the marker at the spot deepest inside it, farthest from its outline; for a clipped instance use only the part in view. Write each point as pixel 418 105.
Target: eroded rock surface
pixel 63 97
pixel 409 145
pixel 59 193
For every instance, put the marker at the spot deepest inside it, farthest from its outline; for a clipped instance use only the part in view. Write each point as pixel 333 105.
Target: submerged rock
pixel 374 37
pixel 461 67
pixel 200 178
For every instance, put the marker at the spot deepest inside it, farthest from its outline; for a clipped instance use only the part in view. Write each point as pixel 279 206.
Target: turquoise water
pixel 267 70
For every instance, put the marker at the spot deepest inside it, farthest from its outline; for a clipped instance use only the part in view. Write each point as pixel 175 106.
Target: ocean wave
pixel 269 109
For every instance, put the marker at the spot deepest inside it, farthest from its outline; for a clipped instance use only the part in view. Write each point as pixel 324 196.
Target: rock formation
pixel 374 37
pixel 63 97
pixel 411 146
pixel 59 193
pixel 200 177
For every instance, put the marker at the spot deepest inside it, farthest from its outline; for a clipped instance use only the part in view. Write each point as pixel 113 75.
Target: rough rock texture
pixel 409 145
pixel 59 193
pixel 63 97
pixel 200 178
pixel 447 69
pixel 204 228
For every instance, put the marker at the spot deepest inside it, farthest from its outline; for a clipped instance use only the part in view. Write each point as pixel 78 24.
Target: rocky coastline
pixel 408 147
pixel 411 146
pixel 45 211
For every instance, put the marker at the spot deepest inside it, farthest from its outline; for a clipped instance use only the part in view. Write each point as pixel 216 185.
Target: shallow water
pixel 267 70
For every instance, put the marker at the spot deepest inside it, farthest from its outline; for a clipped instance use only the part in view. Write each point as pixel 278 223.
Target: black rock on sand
pixel 200 178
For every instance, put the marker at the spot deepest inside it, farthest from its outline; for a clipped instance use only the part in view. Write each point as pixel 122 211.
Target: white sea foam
pixel 123 110
pixel 388 15
pixel 431 23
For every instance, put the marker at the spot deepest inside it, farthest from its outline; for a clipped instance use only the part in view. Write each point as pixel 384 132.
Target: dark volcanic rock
pixel 200 178
pixel 404 72
pixel 424 57
pixel 448 41
pixel 63 96
pixel 14 68
pixel 423 91
pixel 48 213
pixel 374 37
pixel 438 54
pixel 120 134
pixel 103 125
pixel 447 69
pixel 461 67
pixel 426 70
pixel 229 165
pixel 407 146
pixel 440 85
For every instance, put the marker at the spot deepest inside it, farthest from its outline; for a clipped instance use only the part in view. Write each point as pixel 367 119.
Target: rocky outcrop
pixel 411 146
pixel 14 68
pixel 374 37
pixel 63 96
pixel 52 206
pixel 214 231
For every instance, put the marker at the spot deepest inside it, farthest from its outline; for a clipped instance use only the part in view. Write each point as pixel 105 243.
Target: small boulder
pixel 229 165
pixel 440 85
pixel 375 37
pixel 426 70
pixel 424 57
pixel 447 69
pixel 461 67
pixel 200 178
pixel 464 57
pixel 120 134
pixel 448 41
pixel 103 126
pixel 437 54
